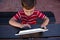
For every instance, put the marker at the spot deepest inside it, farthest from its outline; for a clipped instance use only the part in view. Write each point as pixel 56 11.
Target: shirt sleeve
pixel 40 15
pixel 17 16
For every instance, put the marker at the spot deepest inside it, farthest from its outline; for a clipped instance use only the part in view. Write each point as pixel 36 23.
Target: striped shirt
pixel 28 19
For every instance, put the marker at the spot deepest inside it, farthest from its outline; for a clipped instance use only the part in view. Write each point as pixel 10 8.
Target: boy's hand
pixel 26 25
pixel 44 27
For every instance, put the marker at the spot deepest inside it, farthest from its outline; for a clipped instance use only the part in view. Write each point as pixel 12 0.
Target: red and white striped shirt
pixel 29 19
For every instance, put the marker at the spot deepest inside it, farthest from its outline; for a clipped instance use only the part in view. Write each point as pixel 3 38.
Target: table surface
pixel 7 31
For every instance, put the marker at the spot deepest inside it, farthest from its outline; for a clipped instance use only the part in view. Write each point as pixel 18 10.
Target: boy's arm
pixel 45 22
pixel 13 22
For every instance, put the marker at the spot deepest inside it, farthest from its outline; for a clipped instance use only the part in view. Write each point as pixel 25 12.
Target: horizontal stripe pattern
pixel 29 19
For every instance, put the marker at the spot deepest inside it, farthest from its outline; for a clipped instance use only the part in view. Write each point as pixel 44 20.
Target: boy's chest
pixel 29 18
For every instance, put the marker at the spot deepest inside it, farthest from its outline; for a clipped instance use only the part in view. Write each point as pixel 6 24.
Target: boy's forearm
pixel 14 23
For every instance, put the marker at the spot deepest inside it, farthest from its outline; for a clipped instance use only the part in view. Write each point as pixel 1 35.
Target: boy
pixel 28 15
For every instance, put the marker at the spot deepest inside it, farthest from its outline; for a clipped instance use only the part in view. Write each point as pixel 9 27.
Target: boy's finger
pixel 29 26
pixel 45 27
